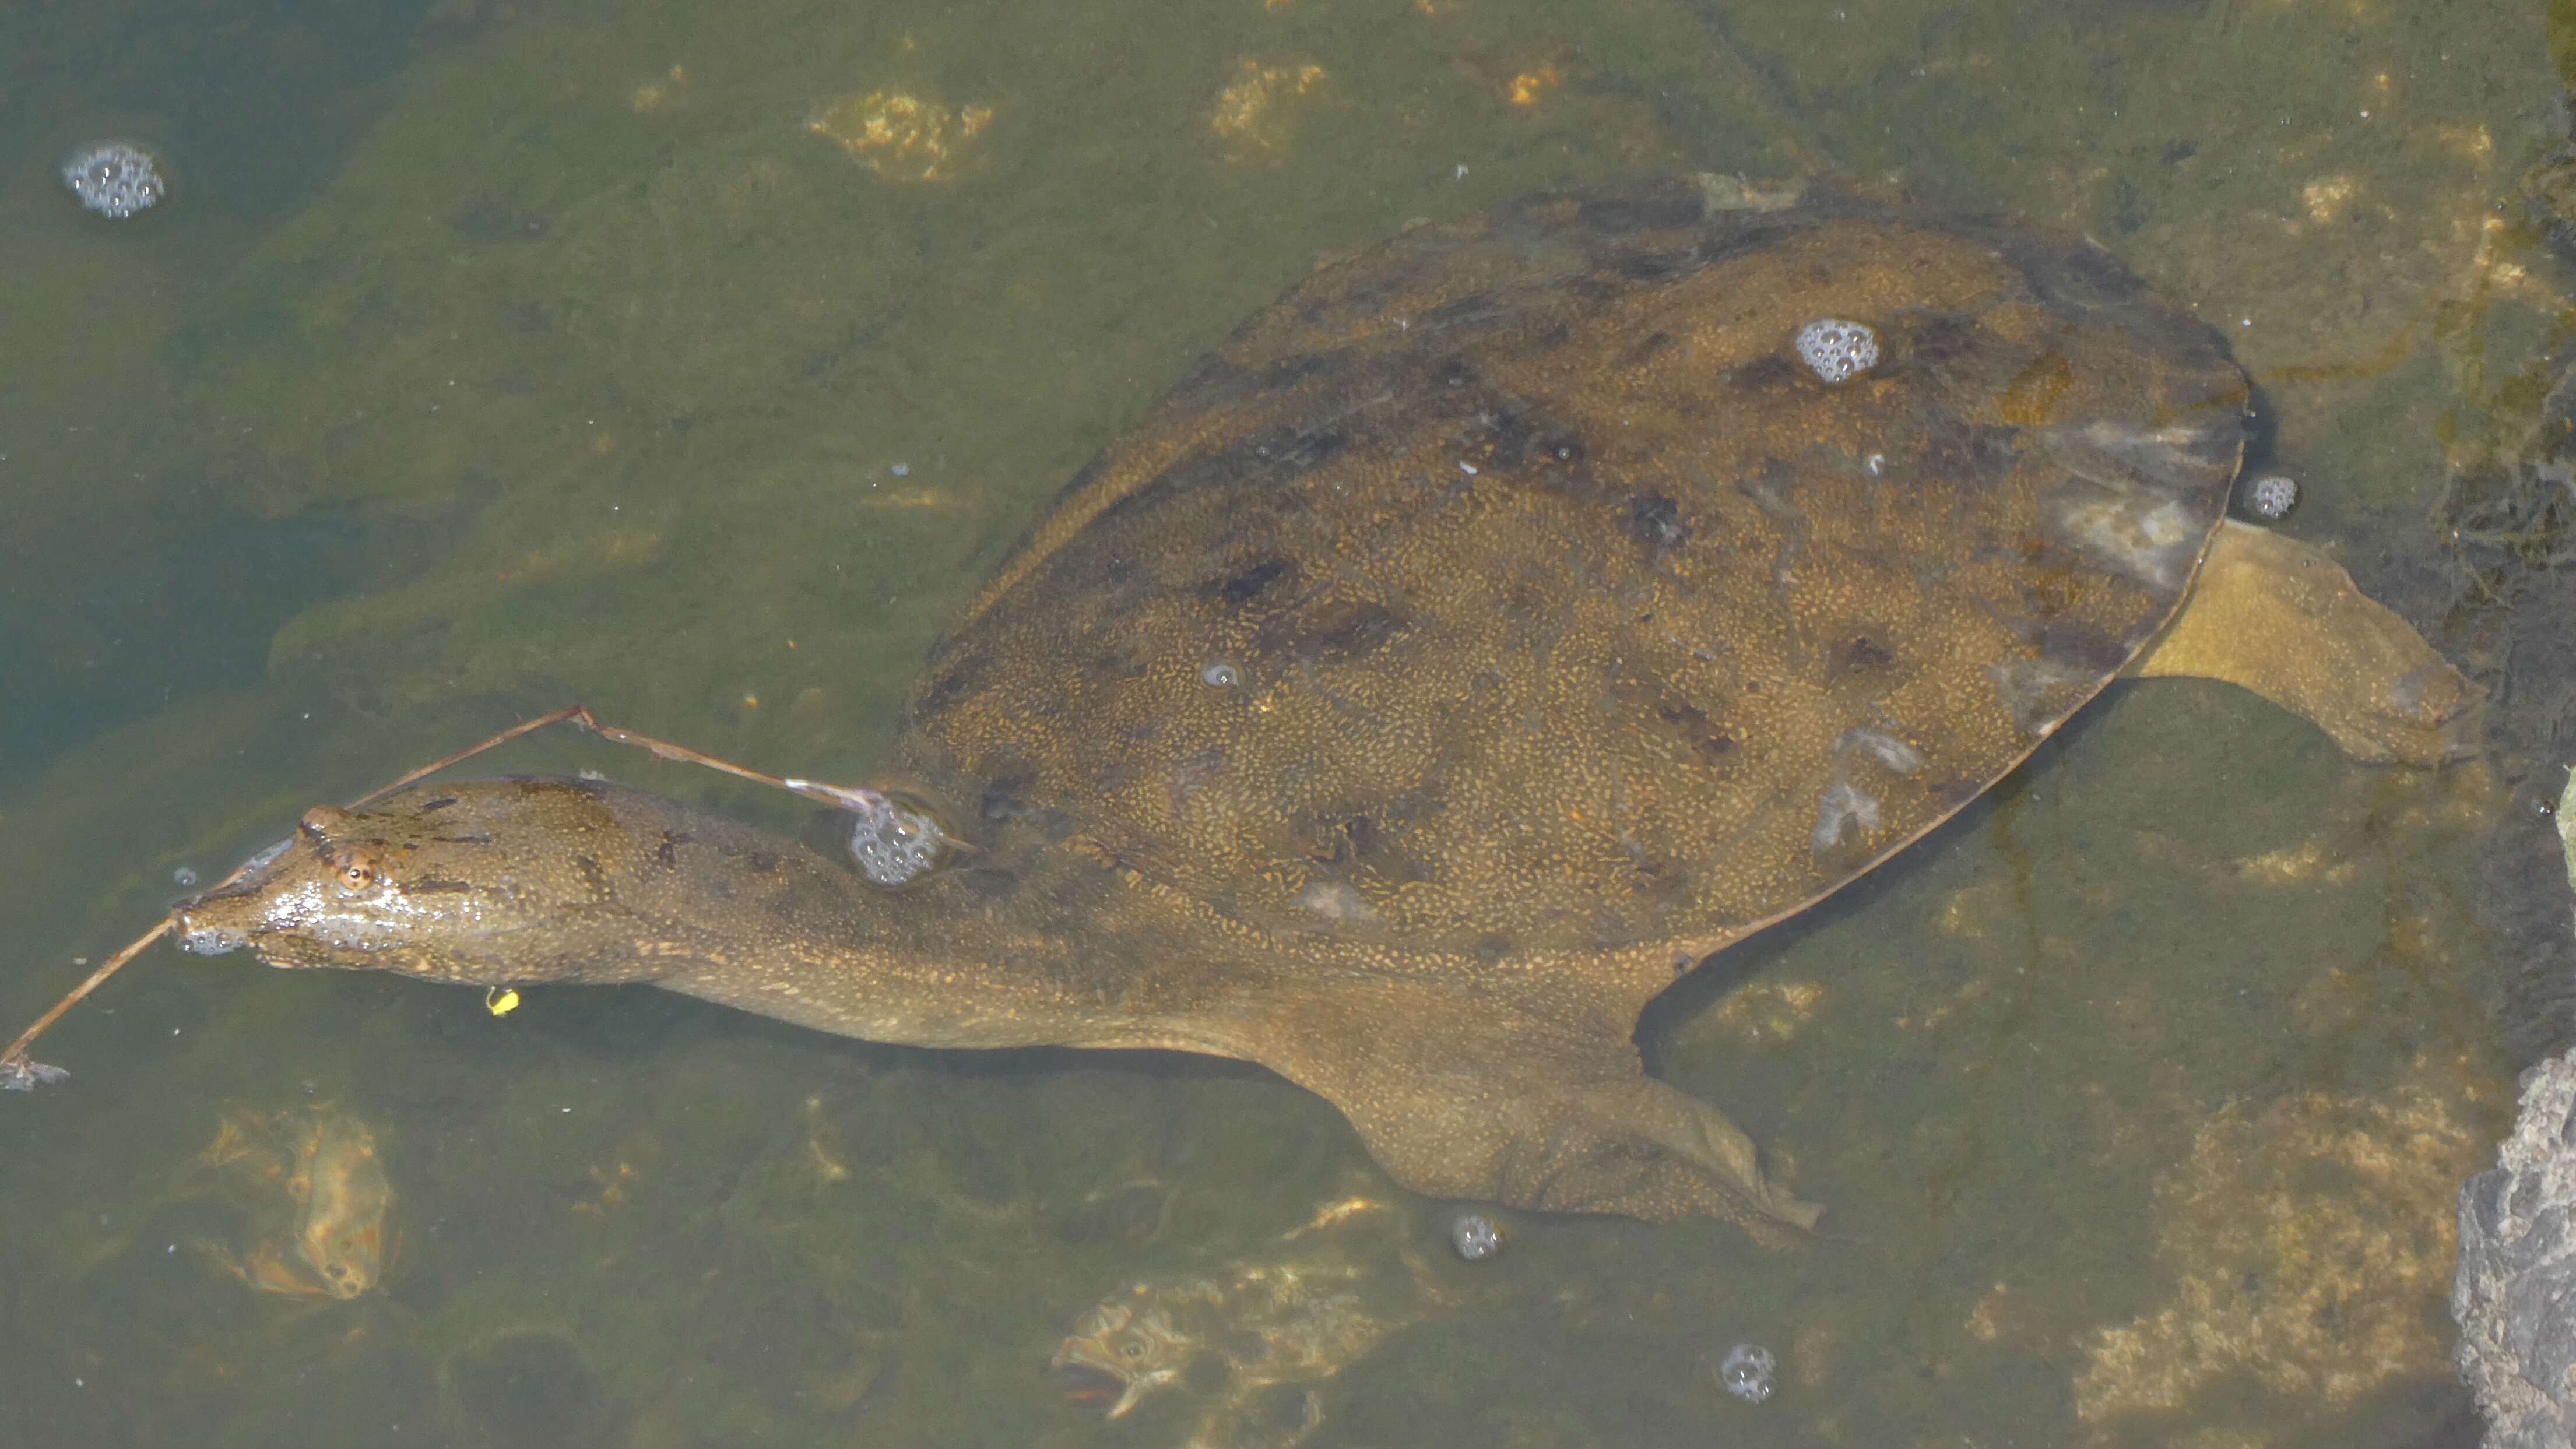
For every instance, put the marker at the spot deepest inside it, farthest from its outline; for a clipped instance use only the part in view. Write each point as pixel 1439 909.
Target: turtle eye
pixel 352 871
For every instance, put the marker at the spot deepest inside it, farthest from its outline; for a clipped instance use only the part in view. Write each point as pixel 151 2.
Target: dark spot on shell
pixel 1491 947
pixel 1939 338
pixel 2082 649
pixel 1860 654
pixel 668 852
pixel 475 839
pixel 1656 522
pixel 438 888
pixel 1454 372
pixel 988 882
pixel 1121 662
pixel 1334 631
pixel 441 803
pixel 1358 840
pixel 1644 348
pixel 1005 799
pixel 1246 586
pixel 1690 724
pixel 1524 599
pixel 1765 373
pixel 1375 846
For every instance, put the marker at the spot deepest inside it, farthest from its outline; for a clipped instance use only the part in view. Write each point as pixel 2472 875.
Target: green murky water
pixel 692 361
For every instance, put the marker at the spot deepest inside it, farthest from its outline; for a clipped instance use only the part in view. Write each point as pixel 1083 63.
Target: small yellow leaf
pixel 500 1000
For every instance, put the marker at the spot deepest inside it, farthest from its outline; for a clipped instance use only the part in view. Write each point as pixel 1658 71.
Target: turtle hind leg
pixel 1637 1147
pixel 2279 618
pixel 1625 1145
pixel 1473 1100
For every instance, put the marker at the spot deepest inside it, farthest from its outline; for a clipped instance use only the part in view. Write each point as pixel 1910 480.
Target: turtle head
pixel 1125 1351
pixel 480 883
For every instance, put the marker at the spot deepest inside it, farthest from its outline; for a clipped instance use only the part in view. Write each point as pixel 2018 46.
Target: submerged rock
pixel 2567 831
pixel 2515 1293
pixel 2304 1238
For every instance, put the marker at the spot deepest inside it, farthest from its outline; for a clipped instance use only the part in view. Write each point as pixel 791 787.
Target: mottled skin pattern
pixel 1492 629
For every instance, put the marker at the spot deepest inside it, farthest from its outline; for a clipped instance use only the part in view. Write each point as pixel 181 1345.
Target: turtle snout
pixel 202 929
pixel 219 921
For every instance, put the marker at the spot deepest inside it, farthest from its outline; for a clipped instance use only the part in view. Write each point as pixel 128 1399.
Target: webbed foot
pixel 1644 1150
pixel 2277 617
pixel 1555 1123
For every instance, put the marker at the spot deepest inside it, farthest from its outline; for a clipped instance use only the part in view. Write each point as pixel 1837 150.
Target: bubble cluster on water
pixel 893 844
pixel 1475 1236
pixel 116 179
pixel 185 877
pixel 1837 349
pixel 18 1074
pixel 2271 496
pixel 1748 1372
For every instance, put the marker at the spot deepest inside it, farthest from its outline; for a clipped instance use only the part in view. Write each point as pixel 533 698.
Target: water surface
pixel 693 360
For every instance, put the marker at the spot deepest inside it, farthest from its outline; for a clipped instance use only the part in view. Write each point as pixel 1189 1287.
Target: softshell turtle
pixel 1513 615
pixel 1257 1339
pixel 315 1200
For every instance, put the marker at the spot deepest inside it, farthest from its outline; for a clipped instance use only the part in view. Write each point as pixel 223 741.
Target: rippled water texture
pixel 693 360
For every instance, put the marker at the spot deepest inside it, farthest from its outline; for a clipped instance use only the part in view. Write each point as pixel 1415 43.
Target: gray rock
pixel 2515 1294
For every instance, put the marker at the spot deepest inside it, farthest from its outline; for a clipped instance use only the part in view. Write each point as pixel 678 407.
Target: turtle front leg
pixel 2279 618
pixel 1626 1145
pixel 1472 1100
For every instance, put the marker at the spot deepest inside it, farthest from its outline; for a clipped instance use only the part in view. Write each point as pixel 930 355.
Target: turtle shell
pixel 1515 585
